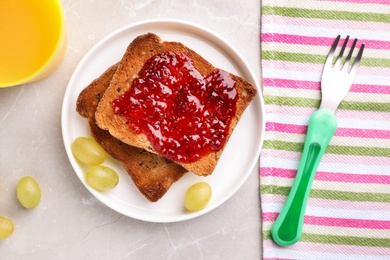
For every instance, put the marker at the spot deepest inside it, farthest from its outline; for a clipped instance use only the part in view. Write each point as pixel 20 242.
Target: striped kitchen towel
pixel 348 212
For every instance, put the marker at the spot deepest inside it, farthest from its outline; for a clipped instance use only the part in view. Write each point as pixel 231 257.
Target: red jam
pixel 184 115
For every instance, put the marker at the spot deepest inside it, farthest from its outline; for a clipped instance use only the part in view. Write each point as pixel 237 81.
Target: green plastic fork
pixel 335 83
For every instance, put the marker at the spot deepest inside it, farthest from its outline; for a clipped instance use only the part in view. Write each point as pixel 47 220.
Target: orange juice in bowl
pixel 32 40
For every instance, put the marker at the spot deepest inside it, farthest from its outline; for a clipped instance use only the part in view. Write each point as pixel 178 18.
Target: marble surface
pixel 70 223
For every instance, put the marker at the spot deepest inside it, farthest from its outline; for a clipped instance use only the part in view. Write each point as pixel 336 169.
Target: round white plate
pixel 238 159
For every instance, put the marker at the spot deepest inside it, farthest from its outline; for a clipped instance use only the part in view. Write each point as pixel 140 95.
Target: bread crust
pixel 138 52
pixel 152 174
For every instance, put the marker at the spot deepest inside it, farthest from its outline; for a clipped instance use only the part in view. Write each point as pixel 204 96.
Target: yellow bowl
pixel 32 40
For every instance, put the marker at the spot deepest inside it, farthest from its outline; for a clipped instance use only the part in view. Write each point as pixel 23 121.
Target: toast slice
pixel 152 174
pixel 140 50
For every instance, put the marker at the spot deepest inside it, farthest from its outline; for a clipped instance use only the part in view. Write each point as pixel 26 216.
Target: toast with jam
pixel 167 99
pixel 152 174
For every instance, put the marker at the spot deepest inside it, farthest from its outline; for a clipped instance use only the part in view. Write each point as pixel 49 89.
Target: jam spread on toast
pixel 184 115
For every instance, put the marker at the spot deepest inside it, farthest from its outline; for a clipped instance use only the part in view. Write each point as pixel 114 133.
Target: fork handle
pixel 287 228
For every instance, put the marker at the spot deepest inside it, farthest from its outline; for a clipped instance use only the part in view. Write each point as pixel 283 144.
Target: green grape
pixel 197 196
pixel 6 227
pixel 28 192
pixel 88 151
pixel 101 177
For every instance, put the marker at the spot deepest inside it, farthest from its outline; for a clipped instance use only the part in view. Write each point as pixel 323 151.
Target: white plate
pixel 238 159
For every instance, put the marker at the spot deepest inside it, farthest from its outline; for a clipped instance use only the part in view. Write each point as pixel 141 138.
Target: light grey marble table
pixel 70 223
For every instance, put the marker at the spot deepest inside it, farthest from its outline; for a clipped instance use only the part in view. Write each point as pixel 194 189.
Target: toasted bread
pixel 152 174
pixel 138 52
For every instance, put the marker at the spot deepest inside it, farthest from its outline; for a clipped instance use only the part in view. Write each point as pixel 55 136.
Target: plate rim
pixel 215 37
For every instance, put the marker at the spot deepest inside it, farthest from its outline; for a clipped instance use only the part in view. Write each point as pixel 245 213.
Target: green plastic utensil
pixel 287 229
pixel 335 83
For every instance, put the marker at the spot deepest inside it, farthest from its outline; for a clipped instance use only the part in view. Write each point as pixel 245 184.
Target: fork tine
pixel 346 63
pixel 351 51
pixel 339 58
pixel 356 63
pixel 329 59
